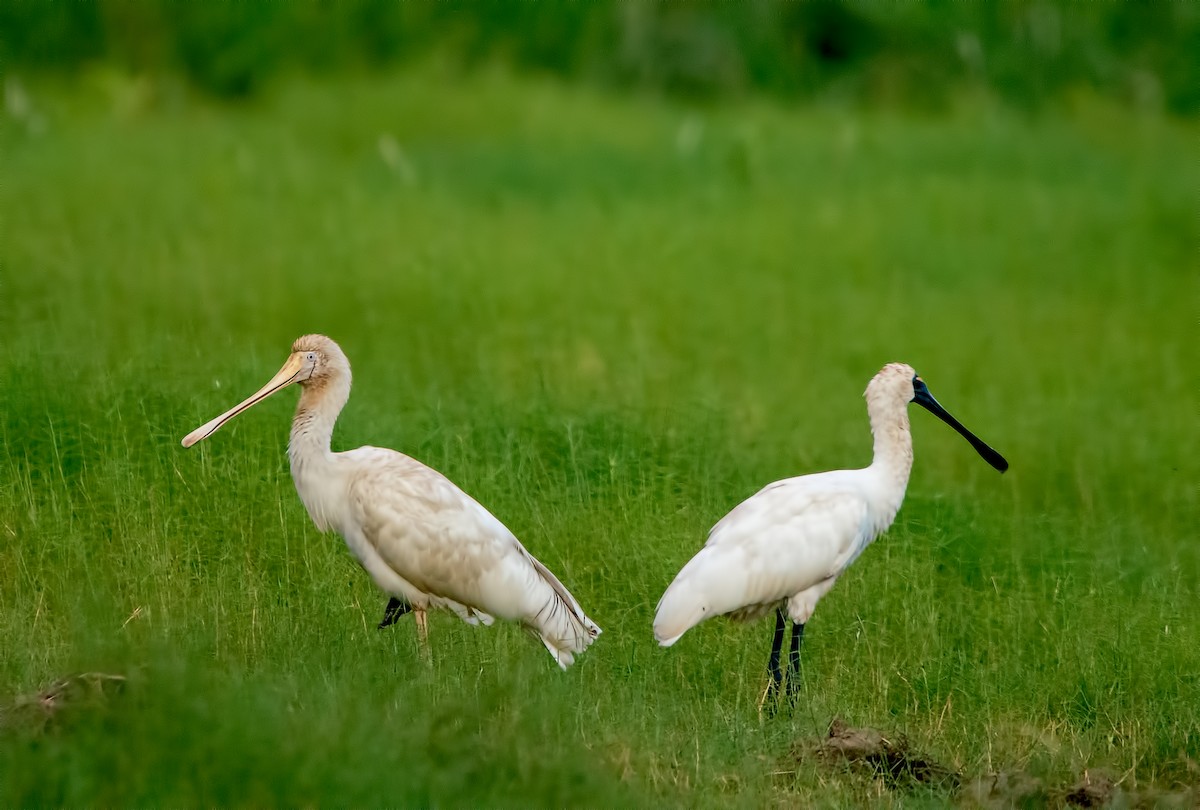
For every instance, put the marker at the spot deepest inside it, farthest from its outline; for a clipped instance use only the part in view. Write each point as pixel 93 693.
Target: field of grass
pixel 610 320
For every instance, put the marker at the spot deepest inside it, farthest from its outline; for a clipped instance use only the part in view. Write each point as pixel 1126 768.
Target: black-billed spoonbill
pixel 785 546
pixel 422 539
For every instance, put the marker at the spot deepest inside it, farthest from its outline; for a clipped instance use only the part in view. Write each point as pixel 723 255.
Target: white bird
pixel 422 539
pixel 785 547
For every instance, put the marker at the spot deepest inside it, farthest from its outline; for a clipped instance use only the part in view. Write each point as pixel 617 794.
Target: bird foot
pixel 775 697
pixel 394 610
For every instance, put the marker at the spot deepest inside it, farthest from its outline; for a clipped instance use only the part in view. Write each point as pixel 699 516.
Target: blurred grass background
pixel 1028 52
pixel 609 316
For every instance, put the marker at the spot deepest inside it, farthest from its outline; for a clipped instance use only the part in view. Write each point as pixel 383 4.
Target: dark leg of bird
pixel 394 610
pixel 773 667
pixel 793 685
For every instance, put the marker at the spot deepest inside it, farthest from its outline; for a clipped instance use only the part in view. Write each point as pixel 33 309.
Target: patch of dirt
pixel 869 751
pixel 892 762
pixel 1094 789
pixel 1007 789
pixel 38 710
pixel 1182 799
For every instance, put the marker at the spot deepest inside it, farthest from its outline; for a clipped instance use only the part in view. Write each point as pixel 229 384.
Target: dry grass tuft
pixel 37 711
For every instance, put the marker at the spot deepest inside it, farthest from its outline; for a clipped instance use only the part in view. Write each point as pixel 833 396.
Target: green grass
pixel 609 320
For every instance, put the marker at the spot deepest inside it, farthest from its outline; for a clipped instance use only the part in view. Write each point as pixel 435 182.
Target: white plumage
pixel 784 547
pixel 422 539
pixel 752 561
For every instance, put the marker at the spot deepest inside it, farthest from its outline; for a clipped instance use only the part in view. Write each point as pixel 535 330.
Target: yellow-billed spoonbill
pixel 785 546
pixel 422 539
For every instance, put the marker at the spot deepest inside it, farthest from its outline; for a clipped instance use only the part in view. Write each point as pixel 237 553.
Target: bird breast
pixel 322 490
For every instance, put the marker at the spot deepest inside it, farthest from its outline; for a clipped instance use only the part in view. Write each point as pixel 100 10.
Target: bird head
pixel 318 360
pixel 315 362
pixel 897 382
pixel 894 382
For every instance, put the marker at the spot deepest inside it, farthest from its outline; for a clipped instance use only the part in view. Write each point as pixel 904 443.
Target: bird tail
pixel 561 623
pixel 679 610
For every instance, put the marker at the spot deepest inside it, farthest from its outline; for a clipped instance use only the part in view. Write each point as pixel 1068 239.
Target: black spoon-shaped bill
pixel 925 400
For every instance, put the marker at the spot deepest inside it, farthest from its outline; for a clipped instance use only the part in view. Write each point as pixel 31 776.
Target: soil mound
pixel 870 751
pixel 36 711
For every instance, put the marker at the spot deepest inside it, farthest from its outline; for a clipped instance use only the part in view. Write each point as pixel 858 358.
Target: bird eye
pixel 312 357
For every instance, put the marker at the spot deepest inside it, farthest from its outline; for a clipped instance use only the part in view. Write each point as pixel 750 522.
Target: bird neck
pixel 314 469
pixel 312 427
pixel 893 447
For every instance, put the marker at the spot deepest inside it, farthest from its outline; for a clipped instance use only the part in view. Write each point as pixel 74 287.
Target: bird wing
pixel 788 537
pixel 425 528
pixel 445 543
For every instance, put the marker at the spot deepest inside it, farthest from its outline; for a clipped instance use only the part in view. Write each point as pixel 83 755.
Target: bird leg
pixel 394 610
pixel 793 680
pixel 773 668
pixel 422 632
